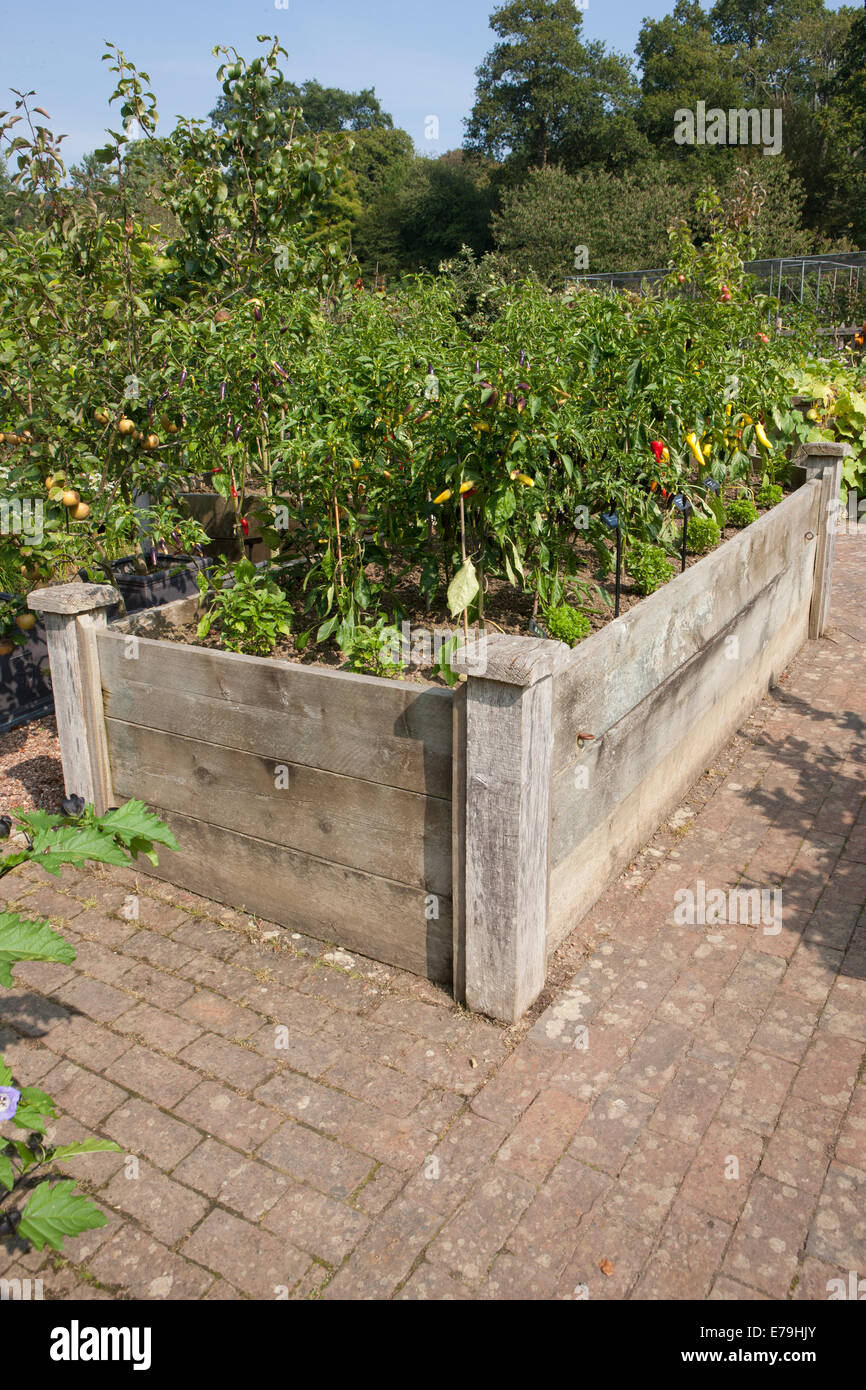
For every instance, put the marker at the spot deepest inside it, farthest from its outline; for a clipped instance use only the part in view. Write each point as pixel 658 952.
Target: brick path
pixel 312 1123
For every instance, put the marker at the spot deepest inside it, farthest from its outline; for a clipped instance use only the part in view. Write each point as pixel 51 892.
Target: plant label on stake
pixel 682 504
pixel 612 520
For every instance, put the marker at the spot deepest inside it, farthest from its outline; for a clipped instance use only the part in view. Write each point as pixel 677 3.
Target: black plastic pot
pixel 25 681
pixel 174 577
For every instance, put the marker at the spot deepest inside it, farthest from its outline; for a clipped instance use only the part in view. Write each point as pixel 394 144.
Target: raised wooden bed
pixel 458 834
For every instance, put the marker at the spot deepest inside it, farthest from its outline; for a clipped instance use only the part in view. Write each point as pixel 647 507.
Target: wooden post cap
pixel 822 449
pixel 511 659
pixel 70 599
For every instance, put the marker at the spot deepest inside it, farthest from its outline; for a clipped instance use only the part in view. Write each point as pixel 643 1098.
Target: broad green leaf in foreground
pixel 56 1210
pixel 7 1173
pixel 87 1146
pixel 24 938
pixel 133 823
pixel 71 844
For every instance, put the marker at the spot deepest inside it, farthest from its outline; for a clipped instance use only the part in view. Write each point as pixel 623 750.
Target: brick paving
pixel 682 1117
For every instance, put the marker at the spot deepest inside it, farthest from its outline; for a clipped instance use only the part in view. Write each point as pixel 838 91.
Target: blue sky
pixel 420 55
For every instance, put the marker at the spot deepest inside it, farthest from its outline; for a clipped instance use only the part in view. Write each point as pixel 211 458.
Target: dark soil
pixel 506 610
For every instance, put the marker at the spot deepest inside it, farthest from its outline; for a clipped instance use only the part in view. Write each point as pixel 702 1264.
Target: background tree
pixel 324 108
pixel 622 220
pixel 543 94
pixel 681 63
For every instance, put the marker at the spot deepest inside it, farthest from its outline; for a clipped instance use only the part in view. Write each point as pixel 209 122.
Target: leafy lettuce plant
pixel 54 1210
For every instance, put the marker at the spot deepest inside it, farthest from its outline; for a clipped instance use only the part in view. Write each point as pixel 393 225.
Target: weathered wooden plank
pixel 508 737
pixel 392 732
pixel 87 625
pixel 73 614
pixel 586 792
pixel 458 842
pixel 597 857
pixel 364 825
pixel 616 668
pixel 831 482
pixel 362 912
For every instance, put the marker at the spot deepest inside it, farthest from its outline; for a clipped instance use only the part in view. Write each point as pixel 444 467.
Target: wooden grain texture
pixel 70 599
pixel 362 912
pixel 458 842
pixel 391 732
pixel 598 856
pixel 87 625
pixel 507 816
pixel 63 654
pixel 78 703
pixel 612 671
pixel 586 792
pixel 831 482
pixel 364 825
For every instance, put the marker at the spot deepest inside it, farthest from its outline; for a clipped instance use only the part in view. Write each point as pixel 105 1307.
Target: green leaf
pixel 55 1211
pixel 71 844
pixel 109 309
pixel 87 1146
pixel 26 938
pixel 5 1073
pixel 133 822
pixel 462 589
pixel 7 1172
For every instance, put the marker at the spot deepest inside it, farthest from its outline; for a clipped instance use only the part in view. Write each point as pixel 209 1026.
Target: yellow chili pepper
pixel 692 441
pixel 729 407
pixel 762 435
pixel 466 487
pixel 443 497
pixel 522 478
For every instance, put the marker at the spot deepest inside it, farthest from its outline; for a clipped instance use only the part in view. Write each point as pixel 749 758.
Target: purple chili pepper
pixel 522 356
pixel 257 314
pixel 277 368
pixel 477 367
pixel 165 393
pixel 182 377
pixel 222 390
pixel 237 431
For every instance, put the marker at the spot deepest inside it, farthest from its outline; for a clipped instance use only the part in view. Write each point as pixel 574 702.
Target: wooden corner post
pixel 823 460
pixel 509 737
pixel 72 614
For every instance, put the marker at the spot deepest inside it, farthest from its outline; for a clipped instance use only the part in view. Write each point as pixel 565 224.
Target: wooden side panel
pixel 361 911
pixel 363 825
pixel 391 732
pixel 607 802
pixel 612 671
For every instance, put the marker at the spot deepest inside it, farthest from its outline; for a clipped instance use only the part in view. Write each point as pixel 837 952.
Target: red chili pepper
pixel 245 526
pixel 234 492
pixel 657 447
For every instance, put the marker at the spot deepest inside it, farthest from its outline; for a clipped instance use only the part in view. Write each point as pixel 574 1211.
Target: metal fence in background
pixel 833 285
